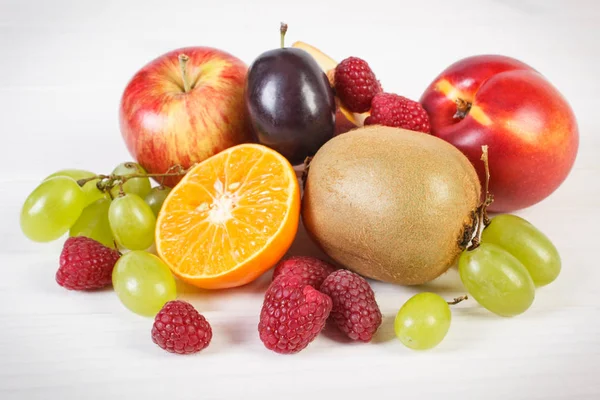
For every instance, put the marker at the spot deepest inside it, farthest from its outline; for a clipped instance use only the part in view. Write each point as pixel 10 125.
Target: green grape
pixel 52 208
pixel 143 282
pixel 156 198
pixel 423 321
pixel 132 222
pixel 93 223
pixel 139 186
pixel 496 279
pixel 90 189
pixel 530 246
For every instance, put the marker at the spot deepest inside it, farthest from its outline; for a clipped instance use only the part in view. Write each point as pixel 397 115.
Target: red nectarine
pixel 528 125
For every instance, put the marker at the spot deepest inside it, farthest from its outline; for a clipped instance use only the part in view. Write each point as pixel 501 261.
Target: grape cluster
pixel 120 207
pixel 117 210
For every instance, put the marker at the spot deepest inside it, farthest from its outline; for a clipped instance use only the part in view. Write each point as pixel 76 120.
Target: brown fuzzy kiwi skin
pixel 391 204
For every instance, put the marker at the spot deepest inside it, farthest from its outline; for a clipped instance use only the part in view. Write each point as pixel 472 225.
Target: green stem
pixel 458 300
pixel 282 30
pixel 107 182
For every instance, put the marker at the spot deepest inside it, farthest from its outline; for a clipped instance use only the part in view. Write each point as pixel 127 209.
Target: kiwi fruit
pixel 391 204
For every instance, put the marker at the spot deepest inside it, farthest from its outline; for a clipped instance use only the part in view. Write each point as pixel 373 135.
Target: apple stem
pixel 282 31
pixel 183 59
pixel 458 300
pixel 482 217
pixel 462 108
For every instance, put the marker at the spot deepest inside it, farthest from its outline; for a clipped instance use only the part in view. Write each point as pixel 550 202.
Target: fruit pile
pixel 394 190
pixel 104 214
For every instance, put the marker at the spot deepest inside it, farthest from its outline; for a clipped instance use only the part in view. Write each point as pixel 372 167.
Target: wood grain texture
pixel 63 66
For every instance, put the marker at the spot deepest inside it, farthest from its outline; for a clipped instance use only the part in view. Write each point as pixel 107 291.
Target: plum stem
pixel 458 300
pixel 462 108
pixel 482 217
pixel 282 31
pixel 183 59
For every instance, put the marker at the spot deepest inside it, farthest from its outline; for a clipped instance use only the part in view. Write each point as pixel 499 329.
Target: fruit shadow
pixel 191 292
pixel 385 333
pixel 446 285
pixel 303 245
pixel 331 332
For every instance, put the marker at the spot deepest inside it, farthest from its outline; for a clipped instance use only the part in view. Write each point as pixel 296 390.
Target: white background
pixel 63 66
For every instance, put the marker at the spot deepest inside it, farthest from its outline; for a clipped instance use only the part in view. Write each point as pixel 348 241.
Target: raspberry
pixel 392 110
pixel 292 315
pixel 85 264
pixel 312 270
pixel 356 84
pixel 179 328
pixel 355 311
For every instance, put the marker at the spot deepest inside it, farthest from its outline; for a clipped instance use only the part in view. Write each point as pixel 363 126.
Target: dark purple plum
pixel 290 103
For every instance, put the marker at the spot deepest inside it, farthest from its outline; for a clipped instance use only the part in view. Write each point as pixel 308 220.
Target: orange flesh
pixel 231 218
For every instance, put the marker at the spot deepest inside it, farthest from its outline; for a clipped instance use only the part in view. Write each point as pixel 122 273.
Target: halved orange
pixel 231 218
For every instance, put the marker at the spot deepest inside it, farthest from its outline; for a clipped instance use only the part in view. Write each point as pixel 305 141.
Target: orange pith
pixel 231 218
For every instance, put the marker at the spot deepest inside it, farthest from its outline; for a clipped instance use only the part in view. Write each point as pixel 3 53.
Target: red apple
pixel 528 125
pixel 184 107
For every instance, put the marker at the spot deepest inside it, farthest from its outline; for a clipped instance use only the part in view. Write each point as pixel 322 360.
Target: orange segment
pixel 231 218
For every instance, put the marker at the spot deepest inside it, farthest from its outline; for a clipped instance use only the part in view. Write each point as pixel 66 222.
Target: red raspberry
pixel 392 110
pixel 86 264
pixel 356 84
pixel 179 328
pixel 292 315
pixel 312 270
pixel 355 311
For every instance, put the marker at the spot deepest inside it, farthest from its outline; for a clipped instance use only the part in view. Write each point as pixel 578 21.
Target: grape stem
pixel 282 31
pixel 482 217
pixel 458 300
pixel 117 247
pixel 172 169
pixel 107 182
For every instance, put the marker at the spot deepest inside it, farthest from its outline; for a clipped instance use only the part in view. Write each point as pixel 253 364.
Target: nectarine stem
pixel 282 30
pixel 458 299
pixel 183 59
pixel 462 108
pixel 486 164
